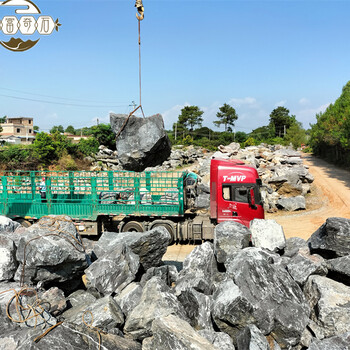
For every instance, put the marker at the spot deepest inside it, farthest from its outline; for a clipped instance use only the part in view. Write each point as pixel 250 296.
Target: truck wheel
pixel 133 226
pixel 169 227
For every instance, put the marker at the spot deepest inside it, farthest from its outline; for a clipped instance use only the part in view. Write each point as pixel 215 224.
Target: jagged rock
pixel 55 299
pixel 339 269
pixel 168 273
pixel 157 300
pixel 202 201
pixel 251 338
pixel 8 262
pixel 7 225
pixel 171 332
pixel 332 239
pixel 267 234
pixel 105 312
pixel 293 245
pixel 278 304
pixel 150 246
pixel 142 143
pixel 52 252
pixel 80 298
pixel 231 149
pixel 292 203
pixel 330 305
pixel 231 309
pixel 66 336
pixel 129 297
pixel 198 308
pixel 303 264
pixel 113 271
pixel 338 342
pixel 220 340
pixel 199 270
pixel 229 237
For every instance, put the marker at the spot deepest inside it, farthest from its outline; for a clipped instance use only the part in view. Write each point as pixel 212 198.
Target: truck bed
pixel 85 195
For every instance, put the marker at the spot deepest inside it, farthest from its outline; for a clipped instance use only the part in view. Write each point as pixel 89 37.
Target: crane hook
pixel 140 10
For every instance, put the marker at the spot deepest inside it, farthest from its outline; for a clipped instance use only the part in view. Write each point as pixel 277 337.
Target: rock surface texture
pixel 142 143
pixel 263 294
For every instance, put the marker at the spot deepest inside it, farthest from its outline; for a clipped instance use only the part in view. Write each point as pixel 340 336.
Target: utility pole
pixel 284 130
pixel 175 131
pixel 234 134
pixel 133 104
pixel 98 121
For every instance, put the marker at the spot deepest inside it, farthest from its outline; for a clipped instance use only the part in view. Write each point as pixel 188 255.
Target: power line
pixel 60 103
pixel 55 97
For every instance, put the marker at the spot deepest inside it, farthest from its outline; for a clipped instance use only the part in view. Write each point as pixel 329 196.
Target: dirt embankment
pixel 330 198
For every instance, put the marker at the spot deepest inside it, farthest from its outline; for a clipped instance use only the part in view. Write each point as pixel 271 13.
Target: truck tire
pixel 168 226
pixel 133 226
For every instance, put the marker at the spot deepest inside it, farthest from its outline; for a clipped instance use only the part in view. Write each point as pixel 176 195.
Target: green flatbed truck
pixel 124 201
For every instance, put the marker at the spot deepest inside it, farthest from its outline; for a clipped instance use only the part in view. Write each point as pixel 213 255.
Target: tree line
pixel 283 128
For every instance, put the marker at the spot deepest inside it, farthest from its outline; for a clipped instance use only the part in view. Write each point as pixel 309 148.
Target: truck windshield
pixel 239 192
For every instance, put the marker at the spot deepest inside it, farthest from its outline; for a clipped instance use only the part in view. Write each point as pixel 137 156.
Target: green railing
pixel 86 194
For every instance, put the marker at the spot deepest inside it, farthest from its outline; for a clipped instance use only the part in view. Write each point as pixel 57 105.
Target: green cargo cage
pixel 85 195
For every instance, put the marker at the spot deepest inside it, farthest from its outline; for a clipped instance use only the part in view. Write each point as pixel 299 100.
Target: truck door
pixel 240 202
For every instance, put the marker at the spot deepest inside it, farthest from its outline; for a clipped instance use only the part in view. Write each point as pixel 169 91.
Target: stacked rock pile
pixel 249 289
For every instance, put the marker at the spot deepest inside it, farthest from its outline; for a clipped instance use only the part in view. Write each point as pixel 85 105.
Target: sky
pixel 253 55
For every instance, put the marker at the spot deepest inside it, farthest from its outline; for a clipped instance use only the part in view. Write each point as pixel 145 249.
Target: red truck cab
pixel 234 192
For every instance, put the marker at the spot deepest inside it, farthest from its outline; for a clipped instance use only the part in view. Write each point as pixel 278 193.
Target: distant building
pixel 75 138
pixel 20 128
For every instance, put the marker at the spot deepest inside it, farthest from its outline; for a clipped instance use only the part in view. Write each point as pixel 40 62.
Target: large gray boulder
pixel 220 340
pixel 168 273
pixel 198 308
pixel 103 313
pixel 267 234
pixel 330 305
pixel 332 239
pixel 303 264
pixel 229 237
pixel 171 332
pixel 199 270
pixel 129 297
pixel 113 271
pixel 339 269
pixel 251 338
pixel 150 246
pixel 157 300
pixel 50 251
pixel 66 336
pixel 8 262
pixel 231 310
pixel 338 342
pixel 292 203
pixel 7 225
pixel 142 143
pixel 278 304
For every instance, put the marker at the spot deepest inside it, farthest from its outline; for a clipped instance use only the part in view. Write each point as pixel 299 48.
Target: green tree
pixel 227 115
pixel 43 148
pixel 330 136
pixel 35 128
pixel 295 135
pixel 241 136
pixel 88 146
pixel 58 128
pixel 190 116
pixel 104 135
pixel 280 120
pixel 70 129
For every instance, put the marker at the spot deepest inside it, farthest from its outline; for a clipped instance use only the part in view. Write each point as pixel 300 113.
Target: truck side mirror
pixel 251 198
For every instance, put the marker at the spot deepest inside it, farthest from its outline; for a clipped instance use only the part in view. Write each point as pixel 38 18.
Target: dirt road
pixel 333 194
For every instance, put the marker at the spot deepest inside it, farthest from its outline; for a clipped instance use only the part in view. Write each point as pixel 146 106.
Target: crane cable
pixel 140 16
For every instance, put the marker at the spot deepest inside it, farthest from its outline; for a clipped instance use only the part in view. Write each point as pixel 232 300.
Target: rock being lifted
pixel 142 143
